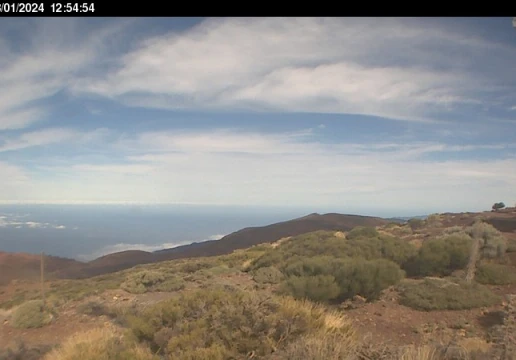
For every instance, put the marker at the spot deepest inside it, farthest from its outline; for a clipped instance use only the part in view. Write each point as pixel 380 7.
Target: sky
pixel 361 113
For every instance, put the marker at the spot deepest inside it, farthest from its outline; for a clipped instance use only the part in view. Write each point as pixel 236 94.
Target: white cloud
pixel 287 168
pixel 49 136
pixel 125 247
pixel 306 64
pixel 216 237
pixel 36 138
pixel 55 53
pixel 12 220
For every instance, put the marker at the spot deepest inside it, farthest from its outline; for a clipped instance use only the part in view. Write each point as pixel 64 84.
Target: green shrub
pixel 325 244
pixel 92 308
pixel 228 324
pixel 310 266
pixel 495 274
pixel 268 275
pixel 442 294
pixel 392 225
pixel 511 245
pixel 440 256
pixel 31 314
pixel 191 266
pixel 69 290
pixel 434 220
pixel 20 351
pixel 141 281
pixel 321 288
pixel 493 243
pixel 315 278
pixel 15 300
pixel 416 224
pixel 453 230
pixel 362 232
pixel 170 284
pixel 366 278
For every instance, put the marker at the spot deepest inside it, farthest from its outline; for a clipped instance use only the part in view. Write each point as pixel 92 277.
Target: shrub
pixel 31 314
pixel 20 351
pixel 362 232
pixel 440 256
pixel 191 266
pixel 453 230
pixel 268 275
pixel 223 324
pixel 511 245
pixel 434 220
pixel 366 278
pixel 320 347
pixel 100 344
pixel 442 294
pixel 495 274
pixel 416 223
pixel 92 308
pixel 493 243
pixel 170 284
pixel 324 246
pixel 141 281
pixel 310 266
pixel 316 288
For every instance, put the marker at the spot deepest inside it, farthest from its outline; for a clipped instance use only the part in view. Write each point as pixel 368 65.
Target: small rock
pixel 115 298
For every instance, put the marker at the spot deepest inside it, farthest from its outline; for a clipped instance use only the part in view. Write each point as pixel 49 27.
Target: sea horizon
pixel 87 231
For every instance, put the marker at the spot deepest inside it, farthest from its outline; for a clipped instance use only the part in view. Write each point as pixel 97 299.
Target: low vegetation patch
pixel 63 291
pixel 268 275
pixel 100 344
pixel 228 323
pixel 511 245
pixel 361 242
pixel 142 281
pixel 416 224
pixel 22 351
pixel 443 294
pixel 496 274
pixel 440 256
pixel 362 232
pixel 92 308
pixel 331 279
pixel 320 346
pixel 31 314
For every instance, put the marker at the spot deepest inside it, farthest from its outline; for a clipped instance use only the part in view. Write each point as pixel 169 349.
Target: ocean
pixel 85 232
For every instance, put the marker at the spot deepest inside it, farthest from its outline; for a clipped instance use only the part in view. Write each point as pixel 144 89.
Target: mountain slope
pixel 27 266
pixel 256 235
pixel 238 240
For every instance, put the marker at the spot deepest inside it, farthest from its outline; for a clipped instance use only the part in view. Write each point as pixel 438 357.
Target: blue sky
pixel 358 113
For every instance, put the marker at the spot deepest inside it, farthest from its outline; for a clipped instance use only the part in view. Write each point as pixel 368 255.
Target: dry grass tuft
pixel 425 352
pixel 99 344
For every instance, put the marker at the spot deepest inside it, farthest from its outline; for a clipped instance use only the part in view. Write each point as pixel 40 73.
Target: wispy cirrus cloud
pixel 50 136
pixel 435 75
pixel 55 52
pixel 329 65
